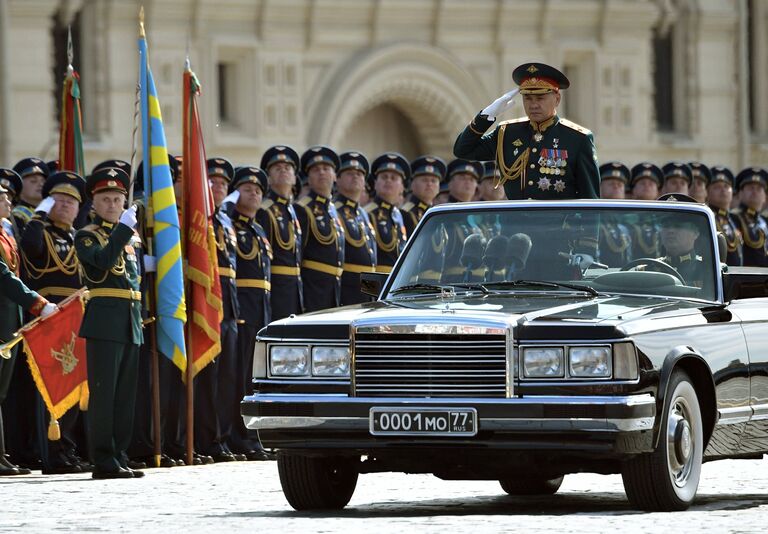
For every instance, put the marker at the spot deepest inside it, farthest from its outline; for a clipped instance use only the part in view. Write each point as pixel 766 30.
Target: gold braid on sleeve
pixel 512 172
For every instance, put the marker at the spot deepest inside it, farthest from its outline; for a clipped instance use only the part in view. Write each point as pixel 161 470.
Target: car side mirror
pixel 371 283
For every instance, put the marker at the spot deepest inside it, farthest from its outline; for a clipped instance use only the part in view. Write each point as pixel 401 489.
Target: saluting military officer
pixel 322 254
pixel 278 219
pixel 51 268
pixel 112 321
pixel 720 197
pixel 390 173
pixel 751 184
pixel 646 179
pixel 33 172
pixel 615 244
pixel 359 240
pixel 701 178
pixel 541 156
pixel 426 174
pixel 678 178
pixel 254 256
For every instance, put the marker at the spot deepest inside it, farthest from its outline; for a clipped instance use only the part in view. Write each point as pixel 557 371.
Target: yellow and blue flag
pixel 169 285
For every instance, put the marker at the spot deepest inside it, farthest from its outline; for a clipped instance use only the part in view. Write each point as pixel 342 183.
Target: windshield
pixel 613 250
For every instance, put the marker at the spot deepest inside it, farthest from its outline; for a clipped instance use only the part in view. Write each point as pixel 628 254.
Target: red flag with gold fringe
pixel 56 357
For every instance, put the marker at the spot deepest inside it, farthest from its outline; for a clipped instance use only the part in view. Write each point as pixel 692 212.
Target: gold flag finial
pixel 141 22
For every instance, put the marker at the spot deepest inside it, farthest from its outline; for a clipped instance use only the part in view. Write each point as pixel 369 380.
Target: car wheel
pixel 316 483
pixel 667 479
pixel 531 485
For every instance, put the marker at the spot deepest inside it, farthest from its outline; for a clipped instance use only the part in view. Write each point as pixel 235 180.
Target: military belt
pixel 129 294
pixel 384 269
pixel 56 291
pixel 254 283
pixel 227 271
pixel 285 270
pixel 326 268
pixel 355 268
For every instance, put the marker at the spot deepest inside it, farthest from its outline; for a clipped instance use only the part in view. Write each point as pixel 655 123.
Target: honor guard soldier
pixel 254 255
pixel 426 174
pixel 751 184
pixel 322 245
pixel 390 173
pixel 645 181
pixel 112 321
pixel 359 239
pixel 541 156
pixel 486 189
pixel 615 245
pixel 278 219
pixel 463 177
pixel 33 172
pixel 701 178
pixel 10 181
pixel 719 197
pixel 14 297
pixel 678 178
pixel 51 268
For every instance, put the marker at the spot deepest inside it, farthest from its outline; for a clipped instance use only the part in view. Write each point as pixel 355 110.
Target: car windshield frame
pixel 483 208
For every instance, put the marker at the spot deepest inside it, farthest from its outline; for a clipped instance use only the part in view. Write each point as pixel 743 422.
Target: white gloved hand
pixel 48 309
pixel 232 197
pixel 150 264
pixel 128 217
pixel 582 261
pixel 500 105
pixel 46 204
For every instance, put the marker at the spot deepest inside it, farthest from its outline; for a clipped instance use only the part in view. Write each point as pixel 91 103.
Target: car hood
pixel 616 314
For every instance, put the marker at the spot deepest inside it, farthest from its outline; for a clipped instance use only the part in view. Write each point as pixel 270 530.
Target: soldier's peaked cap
pixel 278 154
pixel 392 161
pixel 721 173
pixel 752 175
pixel 108 179
pixel 475 168
pixel 677 169
pixel 66 183
pixel 614 170
pixel 249 175
pixel 431 165
pixel 315 155
pixel 10 180
pixel 220 167
pixel 539 78
pixel 646 170
pixel 354 160
pixel 29 166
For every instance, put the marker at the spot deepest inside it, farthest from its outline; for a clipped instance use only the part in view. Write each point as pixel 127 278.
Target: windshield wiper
pixel 541 283
pixel 434 288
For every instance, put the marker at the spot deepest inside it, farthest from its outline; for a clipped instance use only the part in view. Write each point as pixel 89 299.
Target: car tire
pixel 317 483
pixel 666 479
pixel 531 485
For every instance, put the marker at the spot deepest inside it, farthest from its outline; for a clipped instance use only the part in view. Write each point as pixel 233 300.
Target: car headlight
pixel 590 362
pixel 330 361
pixel 289 360
pixel 543 362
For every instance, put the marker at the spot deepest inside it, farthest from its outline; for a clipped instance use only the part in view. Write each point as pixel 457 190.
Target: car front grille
pixel 418 365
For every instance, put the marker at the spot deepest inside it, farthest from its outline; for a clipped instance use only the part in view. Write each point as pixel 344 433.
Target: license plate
pixel 423 421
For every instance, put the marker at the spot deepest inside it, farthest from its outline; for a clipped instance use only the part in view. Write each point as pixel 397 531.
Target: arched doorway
pixel 384 128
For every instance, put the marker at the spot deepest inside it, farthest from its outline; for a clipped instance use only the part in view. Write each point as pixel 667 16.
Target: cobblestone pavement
pixel 246 497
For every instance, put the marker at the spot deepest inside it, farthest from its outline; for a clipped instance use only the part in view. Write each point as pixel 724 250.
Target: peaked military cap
pixel 539 78
pixel 108 179
pixel 10 180
pixel 392 161
pixel 677 169
pixel 700 171
pixel 752 175
pixel 53 166
pixel 277 154
pixel 721 173
pixel 354 160
pixel 676 197
pixel 249 175
pixel 646 170
pixel 220 167
pixel 66 183
pixel 490 170
pixel 431 165
pixel 29 166
pixel 614 170
pixel 319 154
pixel 475 168
pixel 113 163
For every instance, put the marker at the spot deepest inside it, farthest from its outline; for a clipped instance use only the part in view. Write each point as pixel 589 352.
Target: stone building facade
pixel 654 79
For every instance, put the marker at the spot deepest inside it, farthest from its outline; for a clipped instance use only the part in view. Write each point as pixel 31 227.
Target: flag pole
pixel 184 247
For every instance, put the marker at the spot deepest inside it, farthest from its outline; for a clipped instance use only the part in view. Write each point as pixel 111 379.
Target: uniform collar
pixel 239 217
pixel 452 199
pixel 317 197
pixel 63 227
pixel 677 260
pixel 541 127
pixel 383 203
pixel 719 211
pixel 419 203
pixel 347 201
pixel 749 211
pixel 279 199
pixel 108 226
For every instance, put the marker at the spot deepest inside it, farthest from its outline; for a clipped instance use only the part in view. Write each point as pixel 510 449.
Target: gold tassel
pixel 54 432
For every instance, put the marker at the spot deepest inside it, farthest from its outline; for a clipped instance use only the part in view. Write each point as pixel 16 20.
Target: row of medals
pixel 552 166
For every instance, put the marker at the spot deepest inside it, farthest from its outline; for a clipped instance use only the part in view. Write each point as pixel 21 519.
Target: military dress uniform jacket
pixel 50 262
pixel 15 296
pixel 109 255
pixel 22 213
pixel 754 229
pixel 389 232
pixel 359 248
pixel 729 227
pixel 254 256
pixel 322 252
pixel 555 160
pixel 278 219
pixel 226 254
pixel 413 211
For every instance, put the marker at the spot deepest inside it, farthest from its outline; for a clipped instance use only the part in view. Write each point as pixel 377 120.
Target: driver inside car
pixel 678 239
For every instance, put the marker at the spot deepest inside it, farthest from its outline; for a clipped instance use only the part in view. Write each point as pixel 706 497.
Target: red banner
pixel 56 357
pixel 204 305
